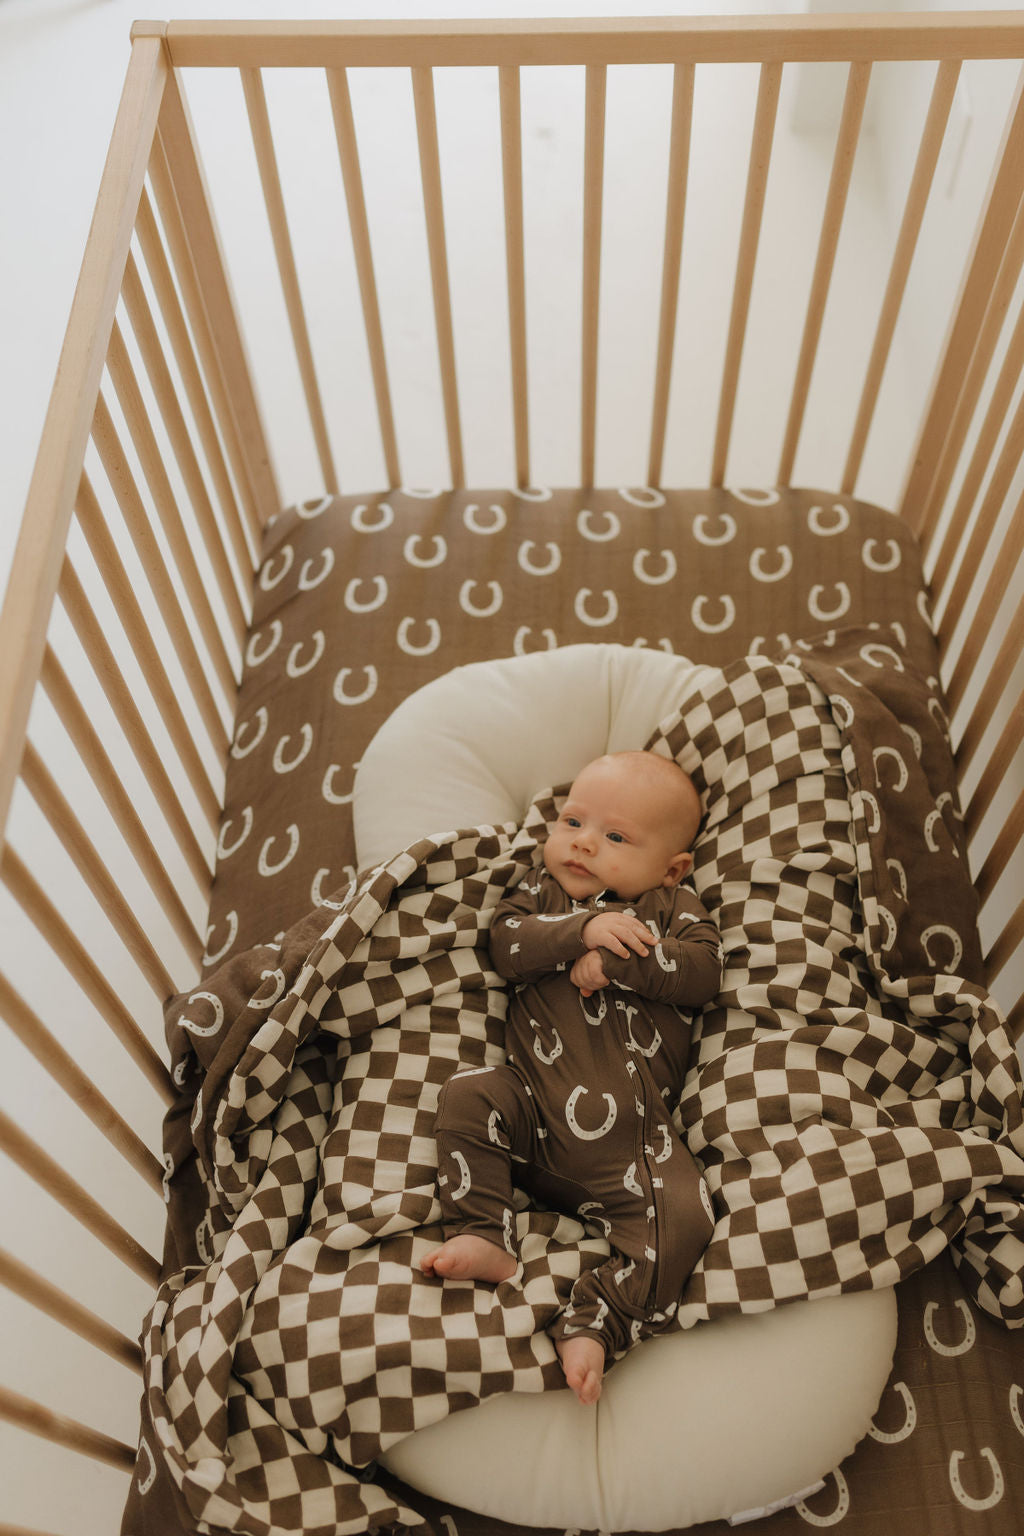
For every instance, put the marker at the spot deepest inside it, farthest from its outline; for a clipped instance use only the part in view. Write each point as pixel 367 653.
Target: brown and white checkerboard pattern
pixel 844 1134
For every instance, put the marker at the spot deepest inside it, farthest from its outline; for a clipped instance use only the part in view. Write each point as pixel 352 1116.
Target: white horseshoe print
pixel 316 888
pixel 425 562
pixel 573 1123
pixel 874 821
pixel 755 498
pixel 931 821
pixel 888 922
pixel 237 750
pixel 631 1182
pixel 701 523
pixel 547 1057
pixel 253 654
pixel 998 1485
pixel 914 737
pixel 706 626
pixel 814 603
pixel 355 698
pixel 532 492
pixel 307 510
pixel 269 577
pixel 644 1050
pixel 841 1510
pixel 278 988
pixel 431 644
pixel 970 1331
pixel 205 1030
pixel 602 1009
pixel 204 1231
pixel 285 765
pixel 886 1437
pixel 472 521
pixel 950 933
pixel 421 494
pixel 264 865
pixel 611 608
pixel 551 565
pixel 1016 1393
pixel 465 1179
pixel 902 776
pixel 471 608
pixel 328 791
pixel 666 1146
pixel 493 1135
pixel 667 572
pixel 385 516
pixel 519 643
pixel 145 1479
pixel 816 520
pixel 356 604
pixel 843 710
pixel 642 496
pixel 899 876
pixel 294 667
pixel 782 570
pixel 226 849
pixel 874 563
pixel 211 956
pixel 868 653
pixel 612 528
pixel 307 579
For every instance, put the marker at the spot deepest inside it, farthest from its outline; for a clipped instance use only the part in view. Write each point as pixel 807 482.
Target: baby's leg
pixel 582 1360
pixel 483 1119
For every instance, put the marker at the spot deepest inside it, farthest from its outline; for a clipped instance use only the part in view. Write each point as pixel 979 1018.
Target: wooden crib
pixel 210 378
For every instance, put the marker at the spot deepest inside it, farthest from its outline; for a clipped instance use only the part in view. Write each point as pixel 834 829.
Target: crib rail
pixel 175 431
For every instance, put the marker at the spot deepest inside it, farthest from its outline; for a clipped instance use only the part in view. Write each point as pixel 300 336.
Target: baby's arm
pixel 683 966
pixel 527 943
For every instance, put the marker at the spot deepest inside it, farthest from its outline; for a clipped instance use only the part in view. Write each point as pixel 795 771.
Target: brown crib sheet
pixel 360 600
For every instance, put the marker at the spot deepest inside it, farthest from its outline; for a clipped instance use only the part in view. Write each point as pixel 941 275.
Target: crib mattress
pixel 426 581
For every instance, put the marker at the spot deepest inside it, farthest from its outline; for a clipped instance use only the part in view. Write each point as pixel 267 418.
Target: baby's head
pixel 627 826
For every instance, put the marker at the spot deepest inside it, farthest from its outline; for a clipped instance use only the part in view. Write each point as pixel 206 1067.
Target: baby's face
pixel 610 837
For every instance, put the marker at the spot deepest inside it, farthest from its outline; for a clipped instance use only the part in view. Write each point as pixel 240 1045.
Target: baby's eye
pixel 616 837
pixel 572 821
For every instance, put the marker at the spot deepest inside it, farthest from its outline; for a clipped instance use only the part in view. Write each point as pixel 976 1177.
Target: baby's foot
pixel 583 1363
pixel 468 1257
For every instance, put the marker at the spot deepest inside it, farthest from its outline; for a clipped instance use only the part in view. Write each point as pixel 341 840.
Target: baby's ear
pixel 678 867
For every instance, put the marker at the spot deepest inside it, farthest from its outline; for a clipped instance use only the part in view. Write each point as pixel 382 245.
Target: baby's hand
pixel 616 930
pixel 588 973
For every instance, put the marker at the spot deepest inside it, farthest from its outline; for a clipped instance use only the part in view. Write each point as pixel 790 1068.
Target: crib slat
pixel 988 699
pixel 97 650
pixel 977 373
pixel 352 177
pixel 593 202
pixel 515 260
pixel 270 181
pixel 108 562
pixel 675 215
pixel 43 788
pixel 753 208
pixel 1007 943
pixel 995 590
pixel 130 400
pixel 30 1415
pixel 105 777
pixel 925 490
pixel 68 1075
pixel 943 91
pixel 64 1309
pixel 36 565
pixel 184 204
pixel 172 416
pixel 56 1180
pixel 433 207
pixel 835 207
pixel 997 765
pixel 122 483
pixel 1011 834
pixel 81 966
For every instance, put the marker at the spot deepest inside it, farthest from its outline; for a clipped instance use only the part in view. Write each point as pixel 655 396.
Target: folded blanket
pixel 854 1097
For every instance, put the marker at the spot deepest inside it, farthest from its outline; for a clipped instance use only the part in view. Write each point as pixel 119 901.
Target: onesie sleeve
pixel 684 965
pixel 527 941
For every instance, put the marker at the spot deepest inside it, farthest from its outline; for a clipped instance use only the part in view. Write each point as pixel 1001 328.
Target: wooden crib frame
pixel 130 702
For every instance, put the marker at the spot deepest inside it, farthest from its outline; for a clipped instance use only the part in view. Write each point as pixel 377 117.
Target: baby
pixel 604 947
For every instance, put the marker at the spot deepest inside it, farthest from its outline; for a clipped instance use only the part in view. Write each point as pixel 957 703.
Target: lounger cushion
pixel 796 1386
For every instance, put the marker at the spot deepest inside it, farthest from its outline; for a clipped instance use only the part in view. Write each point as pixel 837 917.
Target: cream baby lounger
pixel 355 531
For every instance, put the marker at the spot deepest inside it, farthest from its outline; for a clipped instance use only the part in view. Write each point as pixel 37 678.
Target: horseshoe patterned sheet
pixel 856 1105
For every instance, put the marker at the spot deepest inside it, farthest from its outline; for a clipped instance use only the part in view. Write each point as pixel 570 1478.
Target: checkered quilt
pixel 853 1097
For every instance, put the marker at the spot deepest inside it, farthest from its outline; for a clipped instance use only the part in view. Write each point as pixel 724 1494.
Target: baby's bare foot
pixel 468 1257
pixel 583 1363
